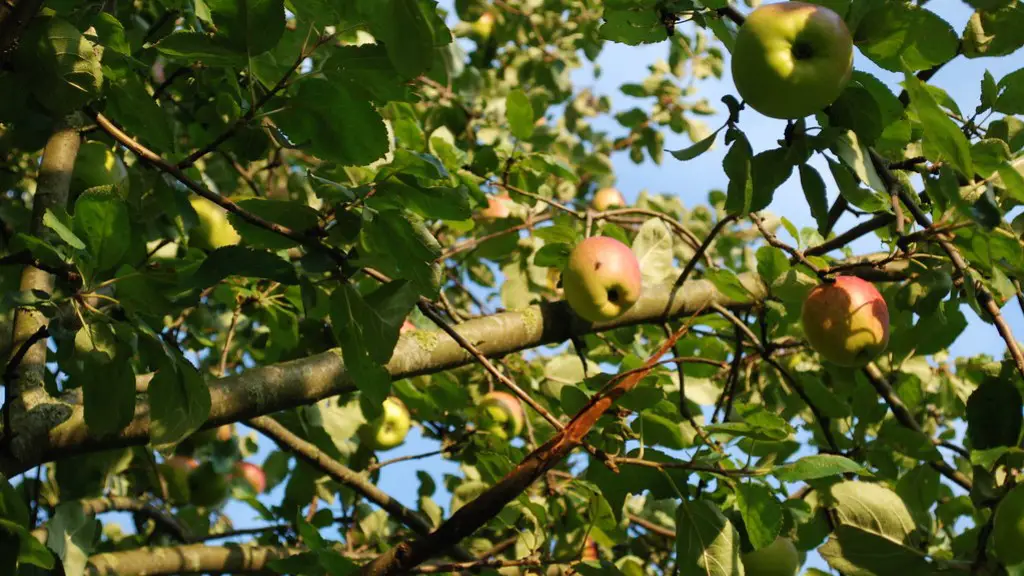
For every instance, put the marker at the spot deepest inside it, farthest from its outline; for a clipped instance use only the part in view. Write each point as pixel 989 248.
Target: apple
pixel 225 432
pixel 207 487
pixel 590 552
pixel 602 279
pixel 503 414
pixel 97 165
pixel 252 474
pixel 496 208
pixel 389 429
pixel 608 198
pixel 1008 528
pixel 846 321
pixel 792 59
pixel 407 327
pixel 780 558
pixel 214 230
pixel 484 25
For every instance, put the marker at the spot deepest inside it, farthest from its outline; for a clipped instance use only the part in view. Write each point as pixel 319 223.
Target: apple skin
pixel 253 475
pixel 1008 528
pixel 97 165
pixel 847 321
pixel 590 551
pixel 484 26
pixel 792 59
pixel 407 327
pixel 214 230
pixel 780 558
pixel 602 279
pixel 496 208
pixel 608 198
pixel 225 432
pixel 389 429
pixel 503 414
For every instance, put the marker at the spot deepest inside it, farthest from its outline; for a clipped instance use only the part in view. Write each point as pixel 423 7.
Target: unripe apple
pixel 389 429
pixel 792 59
pixel 214 230
pixel 607 198
pixel 846 321
pixel 780 558
pixel 97 165
pixel 503 414
pixel 602 279
pixel 484 25
pixel 253 475
pixel 496 208
pixel 1008 528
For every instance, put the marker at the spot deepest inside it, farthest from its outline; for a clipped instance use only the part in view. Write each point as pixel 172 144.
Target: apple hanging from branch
pixel 97 165
pixel 602 279
pixel 792 59
pixel 780 558
pixel 252 475
pixel 390 428
pixel 502 415
pixel 846 321
pixel 608 198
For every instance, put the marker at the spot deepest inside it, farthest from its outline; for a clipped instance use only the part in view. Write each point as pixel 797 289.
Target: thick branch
pixel 193 558
pixel 308 451
pixel 300 382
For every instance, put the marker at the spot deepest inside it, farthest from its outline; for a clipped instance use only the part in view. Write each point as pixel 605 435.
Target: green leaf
pixel 400 244
pixel 989 155
pixel 557 233
pixel 131 106
pixel 873 508
pixel 857 110
pixel 818 466
pixel 555 255
pixel 245 262
pixel 519 113
pixel 101 219
pixel 633 27
pixel 1011 93
pixel 51 221
pixel 761 512
pixel 850 189
pixel 63 67
pixel 768 170
pixel 334 124
pixel 814 192
pixel 653 249
pixel 179 403
pixel 109 394
pixel 737 166
pixel 367 68
pixel 251 26
pixel 994 32
pixel 655 429
pixel 70 536
pixel 297 217
pixel 994 414
pixel 196 47
pixel 771 263
pixel 852 550
pixel 706 543
pixel 697 149
pixel 407 35
pixel 943 140
pixel 728 283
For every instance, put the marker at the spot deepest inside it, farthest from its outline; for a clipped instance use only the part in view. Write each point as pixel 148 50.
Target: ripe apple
pixel 407 326
pixel 1008 528
pixel 389 429
pixel 602 279
pixel 780 558
pixel 607 198
pixel 792 59
pixel 174 476
pixel 253 475
pixel 503 414
pixel 225 432
pixel 496 208
pixel 846 321
pixel 214 230
pixel 97 165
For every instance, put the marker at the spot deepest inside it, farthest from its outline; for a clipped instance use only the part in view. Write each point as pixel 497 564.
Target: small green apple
pixel 1008 528
pixel 252 475
pixel 484 26
pixel 780 558
pixel 602 279
pixel 497 208
pixel 608 198
pixel 792 59
pixel 503 414
pixel 389 429
pixel 214 230
pixel 846 321
pixel 97 165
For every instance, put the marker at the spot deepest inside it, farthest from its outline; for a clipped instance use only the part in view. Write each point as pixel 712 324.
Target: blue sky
pixel 622 64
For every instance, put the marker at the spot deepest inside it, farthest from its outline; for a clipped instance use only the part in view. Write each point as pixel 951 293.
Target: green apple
pixel 792 59
pixel 602 279
pixel 207 487
pixel 1008 528
pixel 502 414
pixel 846 321
pixel 97 165
pixel 484 26
pixel 214 230
pixel 608 198
pixel 780 558
pixel 497 208
pixel 252 475
pixel 389 429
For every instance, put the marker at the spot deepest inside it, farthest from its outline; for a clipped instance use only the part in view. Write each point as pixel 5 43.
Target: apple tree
pixel 259 255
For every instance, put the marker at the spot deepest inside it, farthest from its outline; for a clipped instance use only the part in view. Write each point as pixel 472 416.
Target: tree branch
pixel 191 558
pixel 94 506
